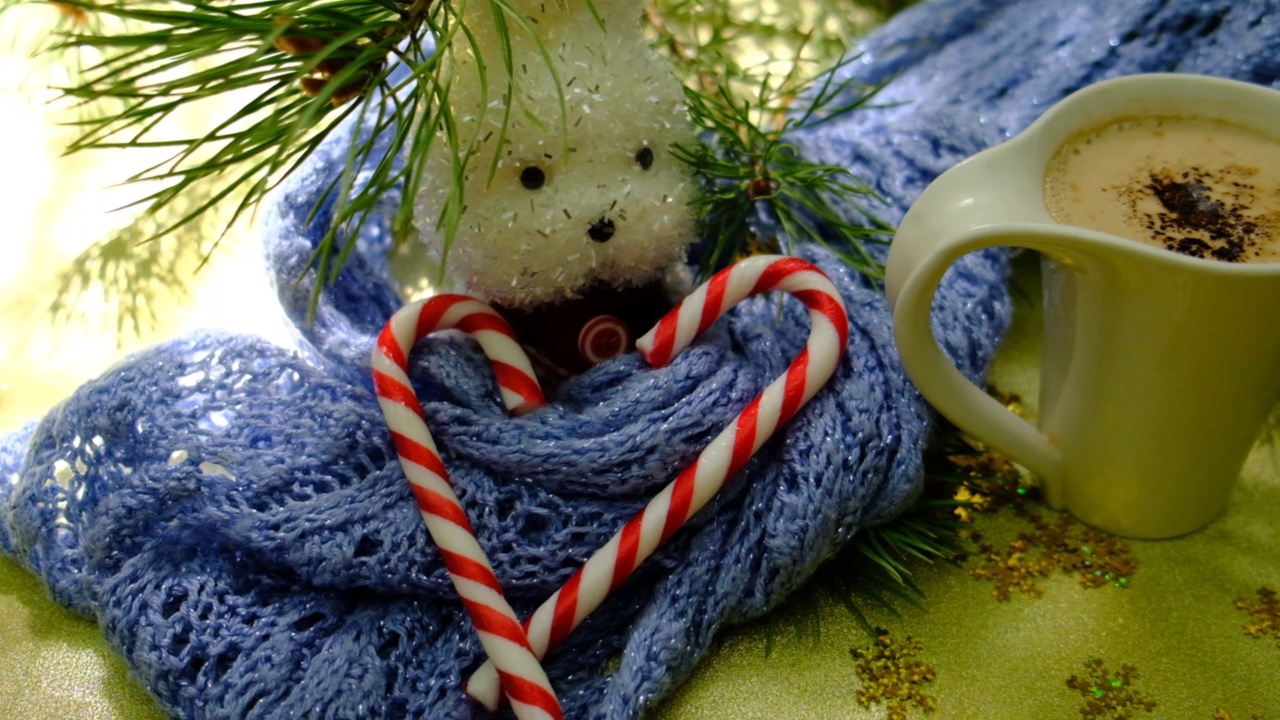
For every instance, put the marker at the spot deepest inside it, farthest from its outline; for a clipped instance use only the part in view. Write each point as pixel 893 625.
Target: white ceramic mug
pixel 1158 369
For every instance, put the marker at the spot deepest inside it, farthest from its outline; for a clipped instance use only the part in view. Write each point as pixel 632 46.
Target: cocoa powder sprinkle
pixel 1198 220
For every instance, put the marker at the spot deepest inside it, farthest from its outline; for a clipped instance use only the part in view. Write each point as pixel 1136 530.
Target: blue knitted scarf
pixel 233 515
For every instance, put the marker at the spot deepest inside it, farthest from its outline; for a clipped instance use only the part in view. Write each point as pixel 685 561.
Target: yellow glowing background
pixel 54 206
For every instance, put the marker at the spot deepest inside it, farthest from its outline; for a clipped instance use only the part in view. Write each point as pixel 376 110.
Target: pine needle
pixel 755 183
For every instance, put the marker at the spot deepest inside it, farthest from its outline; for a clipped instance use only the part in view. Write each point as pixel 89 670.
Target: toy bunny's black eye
pixel 533 177
pixel 644 156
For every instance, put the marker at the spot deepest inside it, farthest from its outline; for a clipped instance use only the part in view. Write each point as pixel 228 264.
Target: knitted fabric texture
pixel 233 515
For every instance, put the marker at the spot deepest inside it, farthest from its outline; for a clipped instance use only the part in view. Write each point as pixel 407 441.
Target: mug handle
pixel 911 289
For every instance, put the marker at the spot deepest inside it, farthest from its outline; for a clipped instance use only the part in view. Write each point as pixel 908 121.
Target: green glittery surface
pixel 1175 623
pixel 55 664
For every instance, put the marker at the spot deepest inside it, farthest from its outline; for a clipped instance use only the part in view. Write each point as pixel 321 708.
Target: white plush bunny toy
pixel 575 216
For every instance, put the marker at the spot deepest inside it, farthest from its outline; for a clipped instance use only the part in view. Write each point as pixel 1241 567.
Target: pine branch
pixel 755 183
pixel 303 66
pixel 306 67
pixel 754 180
pixel 305 61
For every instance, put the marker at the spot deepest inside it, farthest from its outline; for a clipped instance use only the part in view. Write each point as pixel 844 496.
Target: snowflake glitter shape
pixel 1265 612
pixel 1096 558
pixel 991 483
pixel 1012 570
pixel 892 675
pixel 1108 695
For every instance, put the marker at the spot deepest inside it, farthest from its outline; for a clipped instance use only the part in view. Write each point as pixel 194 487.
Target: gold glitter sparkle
pixel 893 676
pixel 1109 695
pixel 1265 620
pixel 1056 542
pixel 988 480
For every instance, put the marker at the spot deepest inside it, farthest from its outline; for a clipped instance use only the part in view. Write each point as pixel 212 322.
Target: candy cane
pixel 719 461
pixel 503 638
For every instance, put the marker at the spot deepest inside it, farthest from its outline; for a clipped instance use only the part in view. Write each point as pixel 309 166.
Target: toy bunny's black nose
pixel 601 230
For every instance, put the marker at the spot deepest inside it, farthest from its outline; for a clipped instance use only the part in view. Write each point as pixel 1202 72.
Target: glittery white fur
pixel 522 247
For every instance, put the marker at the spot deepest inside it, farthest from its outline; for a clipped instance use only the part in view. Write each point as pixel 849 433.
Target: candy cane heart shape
pixel 501 634
pixel 721 459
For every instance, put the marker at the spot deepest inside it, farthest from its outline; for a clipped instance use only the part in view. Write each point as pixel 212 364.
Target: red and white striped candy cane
pixel 719 461
pixel 504 639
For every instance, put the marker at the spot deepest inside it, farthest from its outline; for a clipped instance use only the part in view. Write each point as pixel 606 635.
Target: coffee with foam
pixel 1197 186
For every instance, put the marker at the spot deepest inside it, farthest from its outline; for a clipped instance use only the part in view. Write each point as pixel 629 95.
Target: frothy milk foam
pixel 1202 187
